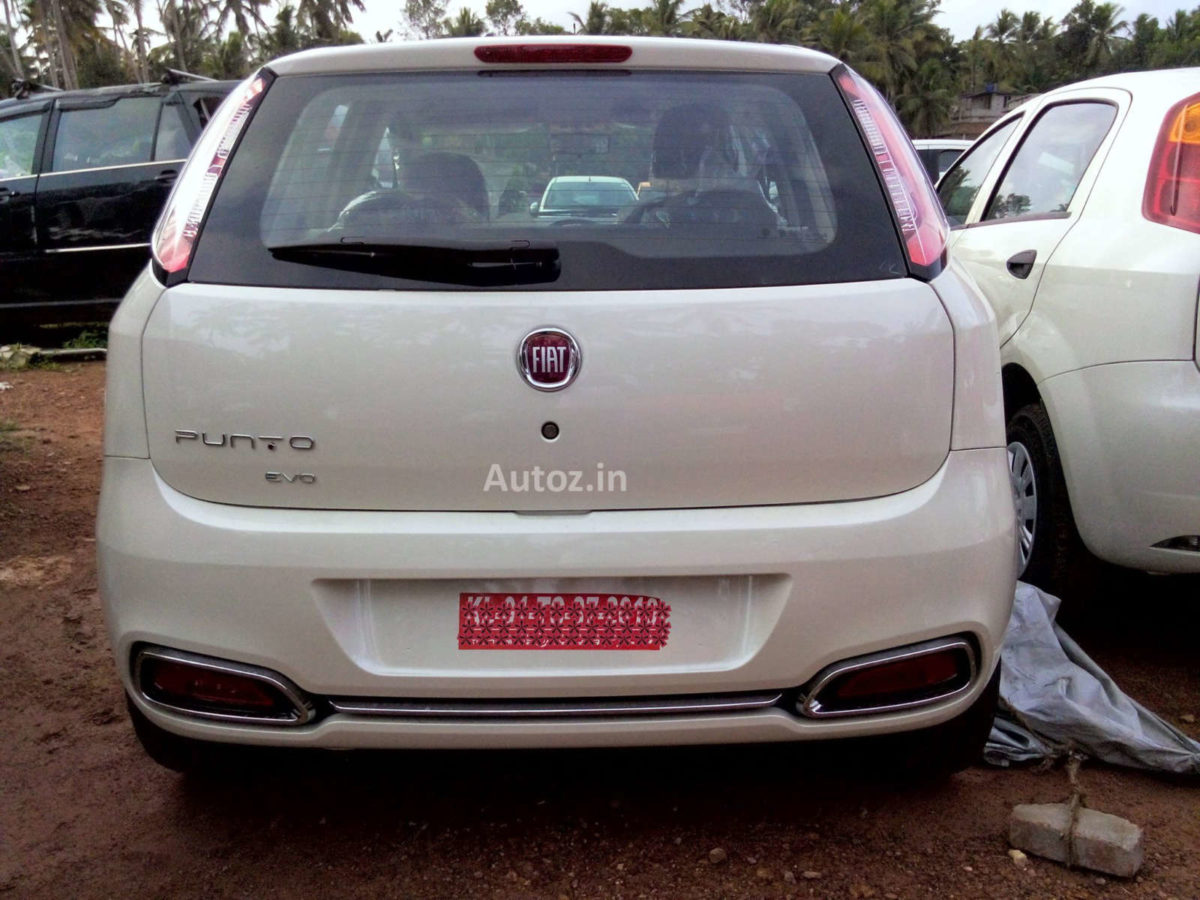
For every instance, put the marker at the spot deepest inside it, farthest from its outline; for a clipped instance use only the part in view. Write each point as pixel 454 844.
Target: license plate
pixel 562 622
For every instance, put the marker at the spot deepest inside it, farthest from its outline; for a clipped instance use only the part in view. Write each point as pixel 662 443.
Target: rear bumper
pixel 364 604
pixel 1127 434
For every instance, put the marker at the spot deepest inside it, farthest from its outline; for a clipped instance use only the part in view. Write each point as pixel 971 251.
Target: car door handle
pixel 6 194
pixel 166 176
pixel 1021 264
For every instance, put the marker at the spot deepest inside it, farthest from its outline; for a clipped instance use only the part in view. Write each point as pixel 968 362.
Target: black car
pixel 83 176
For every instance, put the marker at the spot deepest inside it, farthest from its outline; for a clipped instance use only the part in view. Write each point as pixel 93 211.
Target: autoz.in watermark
pixel 555 481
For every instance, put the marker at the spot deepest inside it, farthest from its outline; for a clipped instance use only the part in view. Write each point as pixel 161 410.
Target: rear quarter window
pixel 742 179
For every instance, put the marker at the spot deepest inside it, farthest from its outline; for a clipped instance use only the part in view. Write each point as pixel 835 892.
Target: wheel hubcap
pixel 1025 499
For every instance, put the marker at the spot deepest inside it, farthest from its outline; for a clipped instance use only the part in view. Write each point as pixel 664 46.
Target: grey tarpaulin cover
pixel 1053 698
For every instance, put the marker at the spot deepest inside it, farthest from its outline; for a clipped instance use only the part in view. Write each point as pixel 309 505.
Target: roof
pixel 149 89
pixel 1168 80
pixel 648 53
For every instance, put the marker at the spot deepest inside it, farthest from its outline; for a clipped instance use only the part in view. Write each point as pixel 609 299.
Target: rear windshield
pixel 589 180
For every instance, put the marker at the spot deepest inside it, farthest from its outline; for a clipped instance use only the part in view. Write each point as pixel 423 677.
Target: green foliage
pixel 102 63
pixel 538 26
pixel 424 17
pixel 895 43
pixel 88 339
pixel 504 15
pixel 467 24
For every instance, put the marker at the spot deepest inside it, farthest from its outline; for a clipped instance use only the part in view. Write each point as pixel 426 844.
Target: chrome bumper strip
pixel 541 709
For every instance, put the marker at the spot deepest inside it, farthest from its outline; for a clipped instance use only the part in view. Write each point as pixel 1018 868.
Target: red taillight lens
pixel 903 677
pixel 923 225
pixel 1173 185
pixel 188 685
pixel 553 53
pixel 175 233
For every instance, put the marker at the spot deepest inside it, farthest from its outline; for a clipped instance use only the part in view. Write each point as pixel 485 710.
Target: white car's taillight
pixel 175 233
pixel 923 225
pixel 1173 184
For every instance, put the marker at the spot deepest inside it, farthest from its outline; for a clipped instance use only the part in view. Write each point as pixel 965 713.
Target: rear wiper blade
pixel 474 263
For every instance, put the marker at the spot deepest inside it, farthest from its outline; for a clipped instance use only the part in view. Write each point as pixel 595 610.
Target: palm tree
pixel 892 59
pixel 58 31
pixel 925 104
pixel 707 22
pixel 11 33
pixel 1002 34
pixel 1091 34
pixel 664 17
pixel 775 22
pixel 119 18
pixel 141 40
pixel 284 37
pixel 466 25
pixel 228 58
pixel 596 21
pixel 186 29
pixel 242 12
pixel 1106 34
pixel 841 33
pixel 327 19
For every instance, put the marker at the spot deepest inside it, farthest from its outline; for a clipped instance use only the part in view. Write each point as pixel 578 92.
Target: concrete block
pixel 1042 829
pixel 1107 843
pixel 1098 841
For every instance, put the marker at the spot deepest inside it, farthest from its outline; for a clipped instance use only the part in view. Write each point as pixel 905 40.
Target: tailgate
pixel 413 401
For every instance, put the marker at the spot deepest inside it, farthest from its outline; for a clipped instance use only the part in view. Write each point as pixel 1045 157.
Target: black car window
pixel 172 141
pixel 1046 169
pixel 206 105
pixel 115 135
pixel 945 159
pixel 18 140
pixel 741 180
pixel 958 187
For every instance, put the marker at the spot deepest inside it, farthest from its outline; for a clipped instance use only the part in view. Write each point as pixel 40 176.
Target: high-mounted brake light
pixel 175 233
pixel 1173 184
pixel 923 225
pixel 553 53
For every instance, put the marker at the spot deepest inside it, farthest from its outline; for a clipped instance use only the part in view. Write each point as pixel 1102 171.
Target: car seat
pixel 449 175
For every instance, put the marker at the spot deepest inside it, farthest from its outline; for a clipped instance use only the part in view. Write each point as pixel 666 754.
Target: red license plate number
pixel 562 622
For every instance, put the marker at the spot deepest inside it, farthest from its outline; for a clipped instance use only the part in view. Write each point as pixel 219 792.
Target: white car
pixel 1079 217
pixel 585 196
pixel 385 467
pixel 939 154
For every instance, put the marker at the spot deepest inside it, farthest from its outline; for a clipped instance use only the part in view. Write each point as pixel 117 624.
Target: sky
pixel 960 16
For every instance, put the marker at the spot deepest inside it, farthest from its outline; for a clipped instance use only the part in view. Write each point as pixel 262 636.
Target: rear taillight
pixel 212 688
pixel 892 680
pixel 923 225
pixel 1173 184
pixel 175 233
pixel 526 54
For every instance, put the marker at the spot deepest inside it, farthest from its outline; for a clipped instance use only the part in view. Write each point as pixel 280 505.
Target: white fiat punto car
pixel 1079 217
pixel 393 462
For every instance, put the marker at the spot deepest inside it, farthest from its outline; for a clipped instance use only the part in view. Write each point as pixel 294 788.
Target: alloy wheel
pixel 1025 499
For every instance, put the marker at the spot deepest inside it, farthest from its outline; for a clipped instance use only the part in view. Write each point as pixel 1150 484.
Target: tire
pixel 179 754
pixel 1051 553
pixel 932 754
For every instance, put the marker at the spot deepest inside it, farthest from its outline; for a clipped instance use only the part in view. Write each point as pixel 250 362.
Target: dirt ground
pixel 83 813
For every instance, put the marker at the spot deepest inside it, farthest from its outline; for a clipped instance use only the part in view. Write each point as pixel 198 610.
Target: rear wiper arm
pixel 474 263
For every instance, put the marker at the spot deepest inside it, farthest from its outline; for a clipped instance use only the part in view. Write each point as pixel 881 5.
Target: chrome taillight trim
pixel 809 704
pixel 543 709
pixel 302 709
